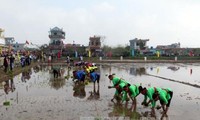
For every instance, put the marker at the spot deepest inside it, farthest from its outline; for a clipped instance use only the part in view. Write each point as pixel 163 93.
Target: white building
pixel 2 41
pixel 136 44
pixel 57 37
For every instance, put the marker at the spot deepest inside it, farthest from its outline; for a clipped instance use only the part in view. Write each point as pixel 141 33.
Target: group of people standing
pixel 11 60
pixel 8 61
pixel 126 91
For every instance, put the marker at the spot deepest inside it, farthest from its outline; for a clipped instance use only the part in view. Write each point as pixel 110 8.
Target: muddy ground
pixel 36 95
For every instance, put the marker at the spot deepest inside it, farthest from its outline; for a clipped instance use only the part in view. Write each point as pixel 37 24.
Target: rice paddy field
pixel 35 95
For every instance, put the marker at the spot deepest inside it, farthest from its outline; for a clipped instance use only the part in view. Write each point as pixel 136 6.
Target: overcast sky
pixel 162 21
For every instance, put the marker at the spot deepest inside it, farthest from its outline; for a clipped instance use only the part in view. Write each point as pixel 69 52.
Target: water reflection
pixel 26 75
pixel 57 83
pixel 173 68
pixel 190 71
pixel 36 69
pixel 79 90
pixel 40 80
pixel 151 68
pixel 137 71
pixel 94 95
pixel 150 115
pixel 68 73
pixel 9 86
pixel 124 111
pixel 57 79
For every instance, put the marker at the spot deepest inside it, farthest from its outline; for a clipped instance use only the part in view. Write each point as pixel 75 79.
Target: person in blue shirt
pixel 79 75
pixel 94 76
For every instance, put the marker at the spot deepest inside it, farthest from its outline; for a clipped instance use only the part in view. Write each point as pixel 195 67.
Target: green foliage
pixel 117 51
pixel 6 103
pixel 141 44
pixel 106 48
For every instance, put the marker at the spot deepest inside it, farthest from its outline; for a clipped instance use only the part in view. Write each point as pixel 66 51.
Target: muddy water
pixel 36 95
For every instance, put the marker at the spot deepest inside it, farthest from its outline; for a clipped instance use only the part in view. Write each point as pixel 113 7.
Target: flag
pixel 27 42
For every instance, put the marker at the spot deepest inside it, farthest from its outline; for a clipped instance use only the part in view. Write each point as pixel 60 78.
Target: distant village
pixel 137 47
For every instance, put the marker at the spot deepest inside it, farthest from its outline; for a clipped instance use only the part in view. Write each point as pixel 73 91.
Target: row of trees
pixel 115 51
pixel 108 51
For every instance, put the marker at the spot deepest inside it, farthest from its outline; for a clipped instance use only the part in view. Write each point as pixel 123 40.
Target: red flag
pixel 27 42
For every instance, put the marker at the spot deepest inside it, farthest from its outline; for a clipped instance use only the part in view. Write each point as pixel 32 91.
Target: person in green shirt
pixel 148 93
pixel 164 96
pixel 133 91
pixel 115 81
pixel 123 94
pixel 118 84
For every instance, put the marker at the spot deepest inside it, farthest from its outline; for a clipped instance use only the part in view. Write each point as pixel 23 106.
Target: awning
pixel 2 41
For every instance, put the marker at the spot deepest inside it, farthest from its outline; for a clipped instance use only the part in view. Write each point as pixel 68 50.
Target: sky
pixel 163 22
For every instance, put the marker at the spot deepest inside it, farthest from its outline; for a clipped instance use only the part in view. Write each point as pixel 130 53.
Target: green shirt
pixel 149 94
pixel 164 95
pixel 134 91
pixel 122 84
pixel 115 81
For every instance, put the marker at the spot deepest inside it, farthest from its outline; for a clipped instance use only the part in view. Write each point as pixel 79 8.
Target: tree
pixel 141 44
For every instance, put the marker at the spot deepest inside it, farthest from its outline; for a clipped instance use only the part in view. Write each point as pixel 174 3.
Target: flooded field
pixel 36 95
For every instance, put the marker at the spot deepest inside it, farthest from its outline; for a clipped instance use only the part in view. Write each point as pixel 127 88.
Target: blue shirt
pixel 80 74
pixel 94 76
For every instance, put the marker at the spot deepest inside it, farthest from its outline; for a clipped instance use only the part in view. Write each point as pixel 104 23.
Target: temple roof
pixel 56 29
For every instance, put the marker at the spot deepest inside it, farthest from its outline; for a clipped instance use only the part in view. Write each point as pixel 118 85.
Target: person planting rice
pixel 164 96
pixel 90 69
pixel 118 84
pixel 94 76
pixel 133 91
pixel 148 94
pixel 79 75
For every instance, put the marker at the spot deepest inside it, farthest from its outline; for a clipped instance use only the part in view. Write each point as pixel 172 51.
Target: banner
pixel 158 54
pixel 0 50
pixel 76 54
pixel 132 52
pixel 89 53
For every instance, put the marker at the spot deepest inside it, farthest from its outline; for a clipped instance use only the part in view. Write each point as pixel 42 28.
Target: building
pixel 9 41
pixel 174 45
pixel 56 36
pixel 3 47
pixel 95 45
pixel 74 50
pixel 17 47
pixel 137 45
pixel 170 50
